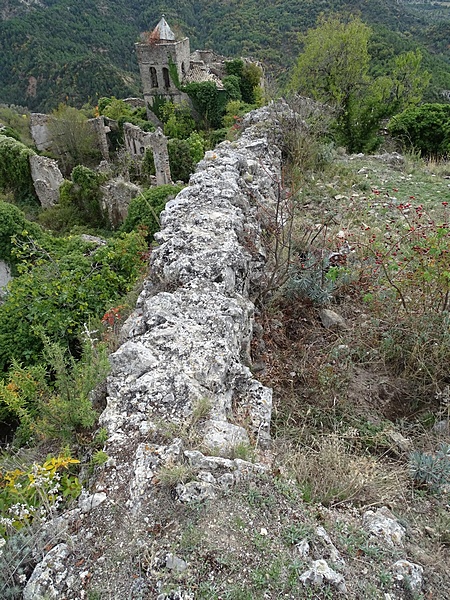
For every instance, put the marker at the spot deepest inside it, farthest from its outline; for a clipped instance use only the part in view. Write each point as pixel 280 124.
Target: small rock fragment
pixel 410 572
pixel 88 502
pixel 223 437
pixel 303 548
pixel 321 573
pixel 195 491
pixel 175 564
pixel 382 523
pixel 331 320
pixel 402 443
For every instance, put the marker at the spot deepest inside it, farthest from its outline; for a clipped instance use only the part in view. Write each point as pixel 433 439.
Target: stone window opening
pixel 154 77
pixel 183 70
pixel 166 78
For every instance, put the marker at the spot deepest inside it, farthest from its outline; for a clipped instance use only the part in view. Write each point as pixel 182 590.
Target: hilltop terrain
pixel 60 51
pixel 350 499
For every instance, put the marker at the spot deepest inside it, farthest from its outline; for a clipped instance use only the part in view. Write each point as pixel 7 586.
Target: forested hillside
pixel 61 50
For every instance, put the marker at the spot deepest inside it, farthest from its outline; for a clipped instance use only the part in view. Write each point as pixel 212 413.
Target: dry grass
pixel 330 474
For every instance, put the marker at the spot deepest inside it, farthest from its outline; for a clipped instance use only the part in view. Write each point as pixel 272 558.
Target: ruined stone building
pixel 166 64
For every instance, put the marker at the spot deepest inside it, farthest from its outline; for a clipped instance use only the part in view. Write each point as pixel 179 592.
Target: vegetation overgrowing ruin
pixel 349 276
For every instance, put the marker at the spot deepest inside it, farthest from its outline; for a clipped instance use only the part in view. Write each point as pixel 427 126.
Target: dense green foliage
pixel 15 172
pixel 145 209
pixel 56 51
pixel 17 121
pixel 424 128
pixel 63 284
pixel 79 203
pixel 334 69
pixel 208 101
pixel 120 111
pixel 247 76
pixel 13 224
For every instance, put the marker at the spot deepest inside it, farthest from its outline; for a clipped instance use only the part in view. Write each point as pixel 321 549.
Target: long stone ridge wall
pixel 187 345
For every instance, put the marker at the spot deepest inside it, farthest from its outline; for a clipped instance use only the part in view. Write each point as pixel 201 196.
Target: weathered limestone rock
pixel 223 437
pixel 40 131
pixel 47 179
pixel 410 572
pixel 116 197
pixel 320 573
pixel 5 275
pixel 43 583
pixel 137 141
pixel 188 340
pixel 382 523
pixel 331 319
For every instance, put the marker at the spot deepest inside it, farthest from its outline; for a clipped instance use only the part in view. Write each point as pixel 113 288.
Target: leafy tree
pixel 80 201
pixel 196 147
pixel 177 119
pixel 120 111
pixel 232 87
pixel 83 193
pixel 334 69
pixel 207 101
pixel 248 76
pixel 17 124
pixel 73 140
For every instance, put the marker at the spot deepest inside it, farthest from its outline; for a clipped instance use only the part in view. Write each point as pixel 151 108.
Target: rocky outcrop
pixel 186 346
pixel 47 179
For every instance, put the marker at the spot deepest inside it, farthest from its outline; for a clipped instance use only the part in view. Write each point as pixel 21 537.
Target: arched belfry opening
pixel 153 77
pixel 166 77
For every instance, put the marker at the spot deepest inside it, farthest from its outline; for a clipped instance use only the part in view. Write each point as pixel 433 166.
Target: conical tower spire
pixel 162 31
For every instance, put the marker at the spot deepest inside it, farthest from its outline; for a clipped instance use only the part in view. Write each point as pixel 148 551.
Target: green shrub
pixel 52 400
pixel 208 101
pixel 80 198
pixel 62 284
pixel 308 280
pixel 424 128
pixel 17 561
pixel 178 120
pixel 36 491
pixel 15 171
pixel 248 76
pixel 432 470
pixel 144 210
pixel 73 139
pixel 180 159
pixel 13 224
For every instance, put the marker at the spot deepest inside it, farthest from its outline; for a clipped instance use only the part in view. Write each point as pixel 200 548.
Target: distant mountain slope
pixel 79 50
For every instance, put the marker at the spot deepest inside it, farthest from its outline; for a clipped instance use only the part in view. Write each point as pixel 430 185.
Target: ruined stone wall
pixel 186 343
pixel 136 142
pixel 40 131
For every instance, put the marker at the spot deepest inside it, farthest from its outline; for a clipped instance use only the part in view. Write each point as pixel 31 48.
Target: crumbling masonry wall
pixel 136 142
pixel 187 341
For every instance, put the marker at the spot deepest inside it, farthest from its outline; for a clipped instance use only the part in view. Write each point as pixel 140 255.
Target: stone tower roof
pixel 162 32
